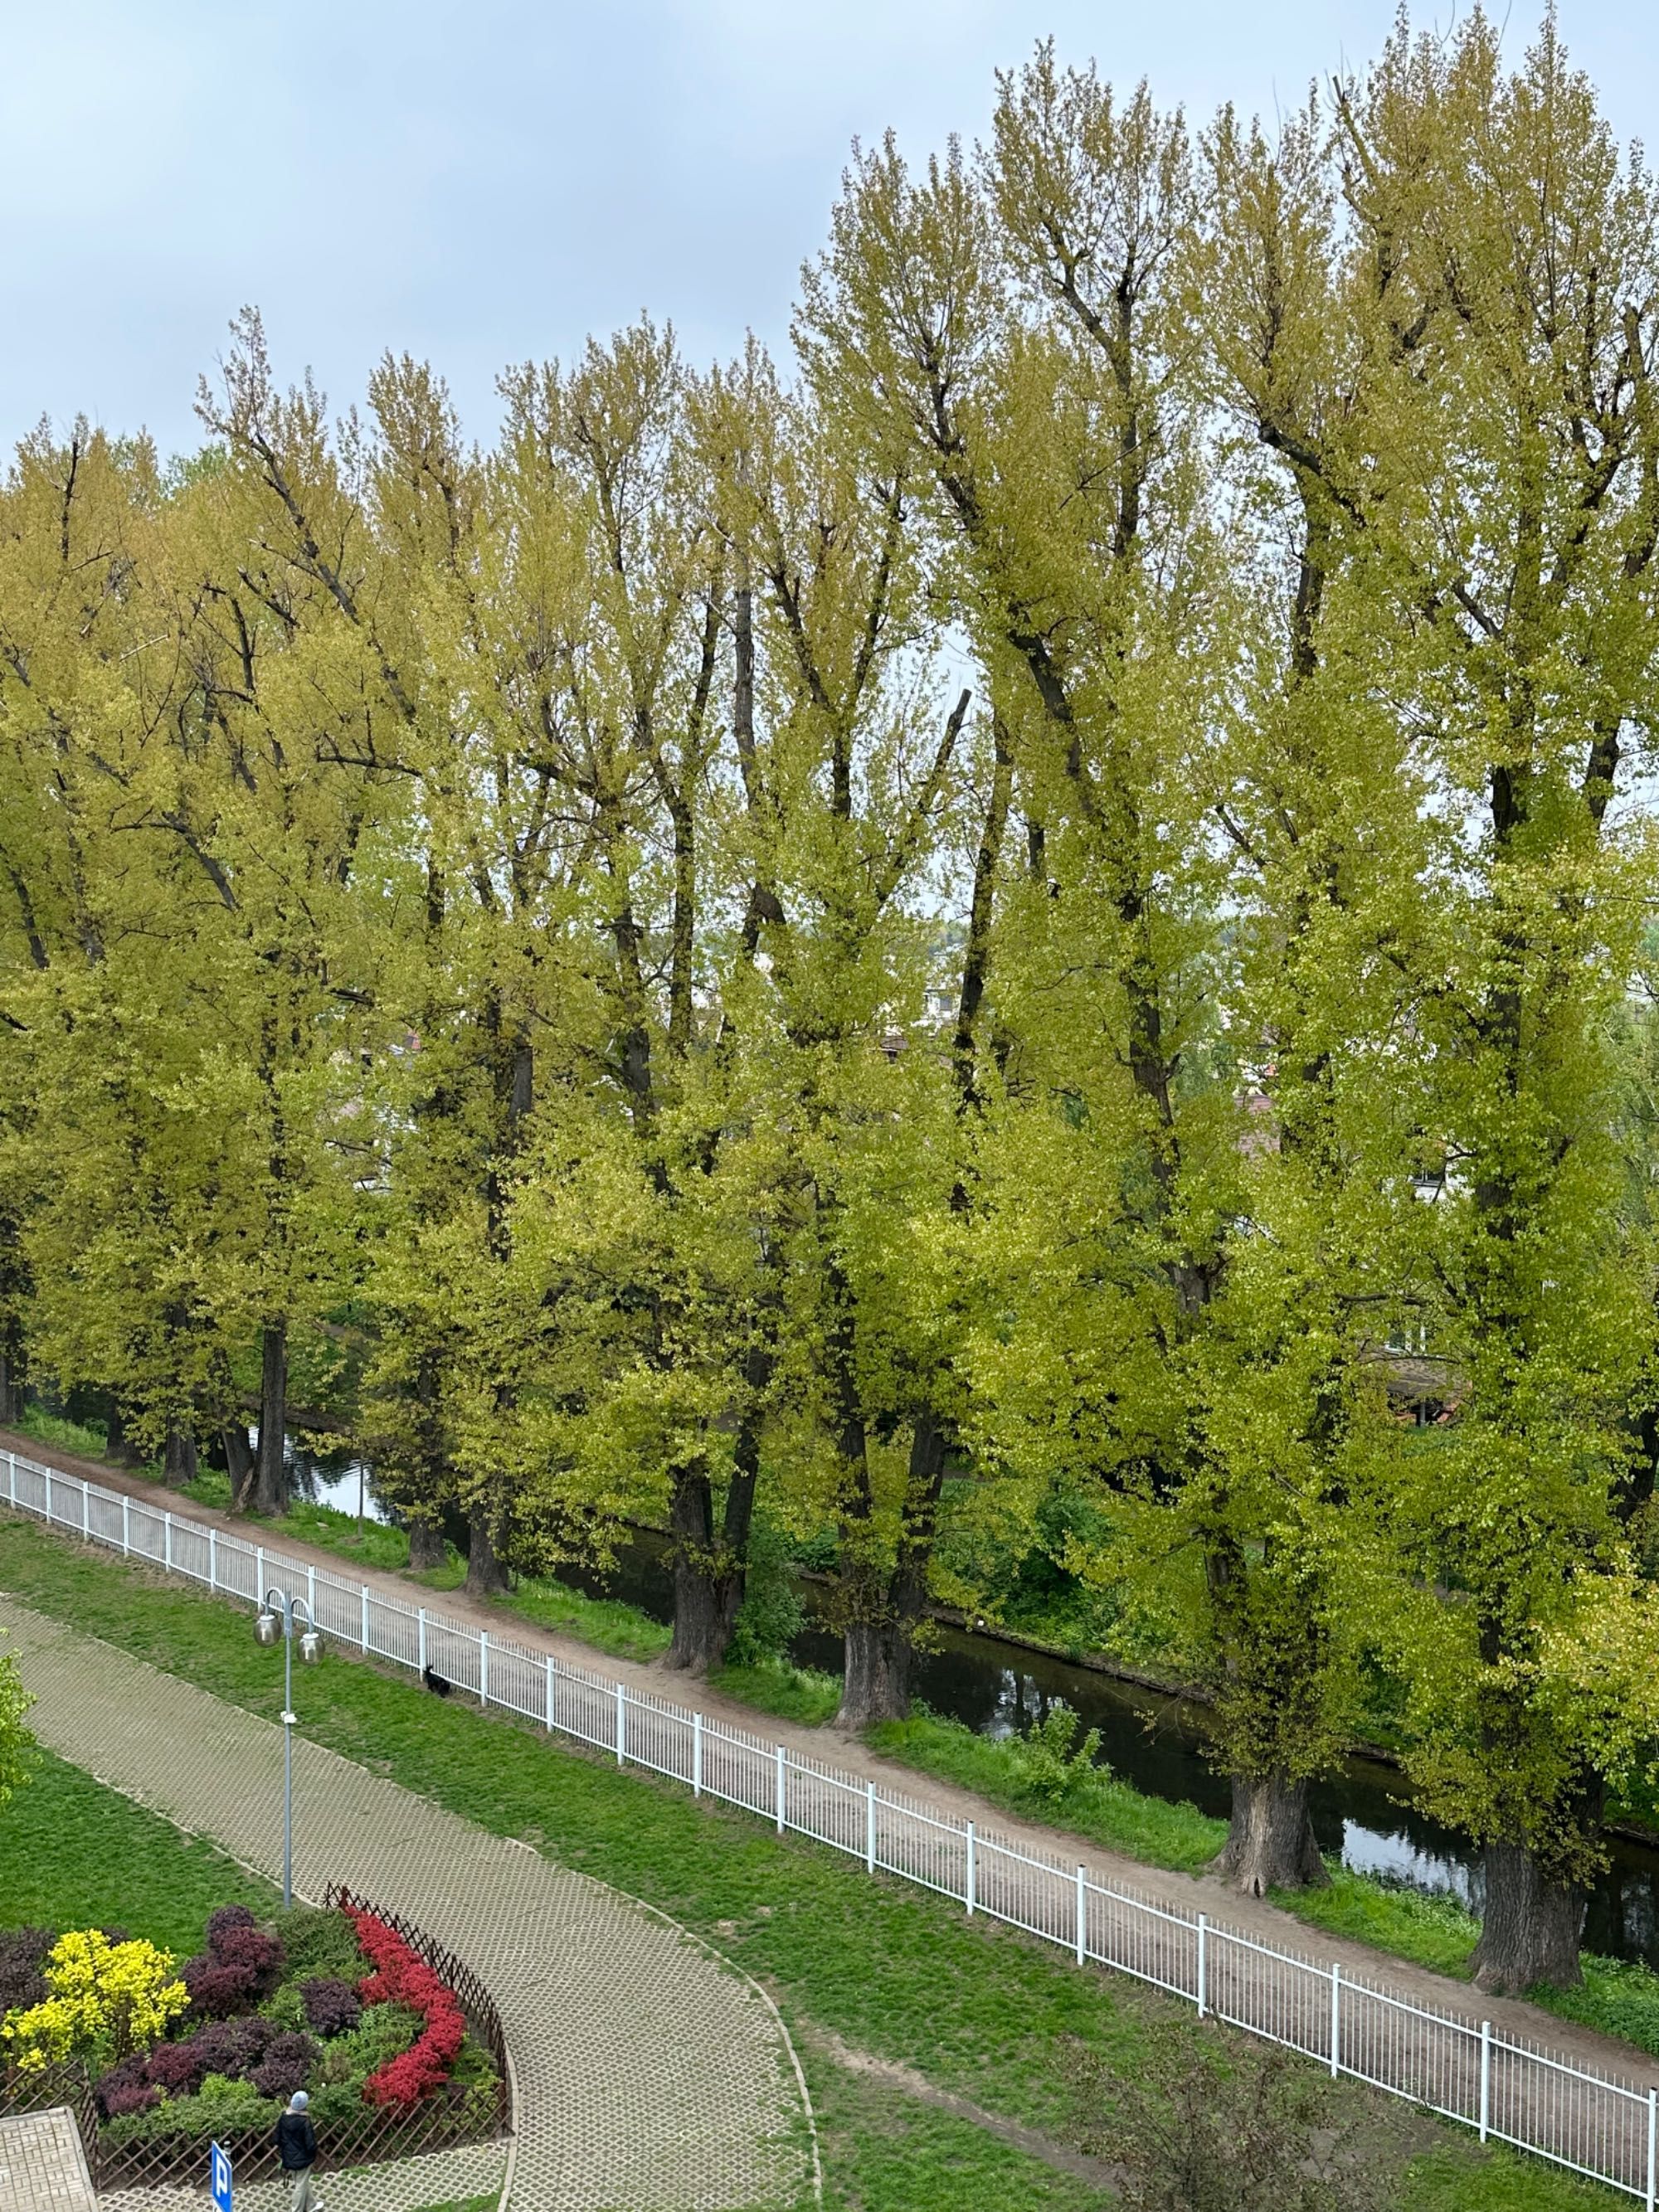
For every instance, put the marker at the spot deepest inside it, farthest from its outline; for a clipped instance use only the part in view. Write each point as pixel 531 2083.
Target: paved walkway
pixel 651 2076
pixel 42 2167
pixel 1189 1893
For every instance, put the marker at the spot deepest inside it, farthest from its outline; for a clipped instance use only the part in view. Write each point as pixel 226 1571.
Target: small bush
pixel 316 1942
pixel 286 2010
pixel 331 2008
pixel 285 2067
pixel 1054 1767
pixel 22 1958
pixel 387 2031
pixel 222 1923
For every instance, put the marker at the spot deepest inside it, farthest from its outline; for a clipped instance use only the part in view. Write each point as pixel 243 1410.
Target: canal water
pixel 1151 1740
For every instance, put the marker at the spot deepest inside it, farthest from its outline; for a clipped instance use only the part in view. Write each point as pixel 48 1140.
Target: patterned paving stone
pixel 41 2166
pixel 651 2076
pixel 412 2185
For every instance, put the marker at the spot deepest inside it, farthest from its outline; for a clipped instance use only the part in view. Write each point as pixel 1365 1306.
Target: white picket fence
pixel 1510 2091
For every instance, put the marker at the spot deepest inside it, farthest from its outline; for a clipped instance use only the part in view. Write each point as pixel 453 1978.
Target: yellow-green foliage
pixel 108 1999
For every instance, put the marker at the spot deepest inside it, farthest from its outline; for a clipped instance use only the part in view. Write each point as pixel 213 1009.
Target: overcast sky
pixel 487 182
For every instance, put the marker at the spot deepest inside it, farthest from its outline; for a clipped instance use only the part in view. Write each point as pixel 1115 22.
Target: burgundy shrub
pixel 173 2067
pixel 259 1956
pixel 216 1992
pixel 285 2067
pixel 332 2007
pixel 126 2088
pixel 23 1954
pixel 220 1923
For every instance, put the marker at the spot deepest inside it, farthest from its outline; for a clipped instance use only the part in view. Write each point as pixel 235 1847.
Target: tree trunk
pixel 486 1576
pixel 11 1386
pixel 270 1474
pixel 700 1630
pixel 427 1548
pixel 1271 1842
pixel 709 1571
pixel 117 1447
pixel 238 1464
pixel 877 1684
pixel 1529 1928
pixel 883 1613
pixel 179 1462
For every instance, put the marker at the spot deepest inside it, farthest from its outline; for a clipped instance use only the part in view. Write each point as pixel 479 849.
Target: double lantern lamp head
pixel 268 1630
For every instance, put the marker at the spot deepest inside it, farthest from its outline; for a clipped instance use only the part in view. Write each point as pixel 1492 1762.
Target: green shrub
pixel 1053 1768
pixel 286 2008
pixel 315 1942
pixel 387 2032
pixel 772 1614
pixel 220 2106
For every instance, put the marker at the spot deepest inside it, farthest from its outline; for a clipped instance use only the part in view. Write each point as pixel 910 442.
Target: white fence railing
pixel 1510 2091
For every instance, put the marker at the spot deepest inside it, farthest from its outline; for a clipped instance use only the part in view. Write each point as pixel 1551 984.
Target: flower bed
pixel 345 2002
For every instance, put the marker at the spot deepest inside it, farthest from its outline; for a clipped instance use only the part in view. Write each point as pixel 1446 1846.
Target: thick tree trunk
pixel 11 1384
pixel 877 1684
pixel 486 1576
pixel 179 1461
pixel 238 1464
pixel 1529 1928
pixel 426 1545
pixel 270 1496
pixel 1271 1842
pixel 882 1615
pixel 710 1570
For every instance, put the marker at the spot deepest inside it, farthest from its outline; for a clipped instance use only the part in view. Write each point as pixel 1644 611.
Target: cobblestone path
pixel 651 2077
pixel 41 2166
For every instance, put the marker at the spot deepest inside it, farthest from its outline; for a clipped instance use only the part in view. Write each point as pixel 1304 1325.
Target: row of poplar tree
pixel 1049 893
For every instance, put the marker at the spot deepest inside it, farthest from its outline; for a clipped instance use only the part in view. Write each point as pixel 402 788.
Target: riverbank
pixel 1388 1950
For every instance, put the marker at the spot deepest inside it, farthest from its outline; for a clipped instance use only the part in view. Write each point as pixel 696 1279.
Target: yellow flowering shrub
pixel 107 2000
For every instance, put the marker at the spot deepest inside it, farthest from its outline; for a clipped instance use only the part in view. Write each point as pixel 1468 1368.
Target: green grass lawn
pixel 76 1854
pixel 974 2008
pixel 793 1693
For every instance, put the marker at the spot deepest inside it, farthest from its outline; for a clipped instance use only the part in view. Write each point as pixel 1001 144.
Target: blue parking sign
pixel 221 2171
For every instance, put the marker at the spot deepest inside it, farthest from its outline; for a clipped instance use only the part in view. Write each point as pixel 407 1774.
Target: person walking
pixel 296 2145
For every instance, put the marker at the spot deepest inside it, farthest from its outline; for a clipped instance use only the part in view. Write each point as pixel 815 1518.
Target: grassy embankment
pixel 974 2012
pixel 1619 1997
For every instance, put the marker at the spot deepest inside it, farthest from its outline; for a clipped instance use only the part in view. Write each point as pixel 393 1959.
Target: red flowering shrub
pixel 401 1978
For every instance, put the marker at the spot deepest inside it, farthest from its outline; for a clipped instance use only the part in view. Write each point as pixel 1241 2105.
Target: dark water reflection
pixel 1156 1743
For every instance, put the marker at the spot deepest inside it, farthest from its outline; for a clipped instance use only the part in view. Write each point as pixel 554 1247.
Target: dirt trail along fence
pixel 1508 2090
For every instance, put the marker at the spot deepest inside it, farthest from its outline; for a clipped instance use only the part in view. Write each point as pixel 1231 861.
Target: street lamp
pixel 275 1618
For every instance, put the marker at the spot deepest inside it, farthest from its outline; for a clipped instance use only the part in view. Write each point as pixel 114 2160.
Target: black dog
pixel 436 1683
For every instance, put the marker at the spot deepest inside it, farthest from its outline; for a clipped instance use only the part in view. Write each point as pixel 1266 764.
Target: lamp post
pixel 275 1618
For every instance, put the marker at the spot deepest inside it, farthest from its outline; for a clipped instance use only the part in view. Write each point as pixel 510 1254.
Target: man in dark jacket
pixel 296 2145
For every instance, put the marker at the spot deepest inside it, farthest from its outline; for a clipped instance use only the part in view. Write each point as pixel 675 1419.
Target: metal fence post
pixel 869 1828
pixel 548 1670
pixel 622 1723
pixel 1203 1929
pixel 781 1786
pixel 1485 2077
pixel 1336 2016
pixel 47 1472
pixel 213 1559
pixel 11 1466
pixel 167 1540
pixel 1082 1915
pixel 420 1616
pixel 697 1754
pixel 1653 2148
pixel 970 1882
pixel 86 1513
pixel 311 1593
pixel 362 1591
pixel 483 1665
pixel 126 1525
pixel 259 1576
